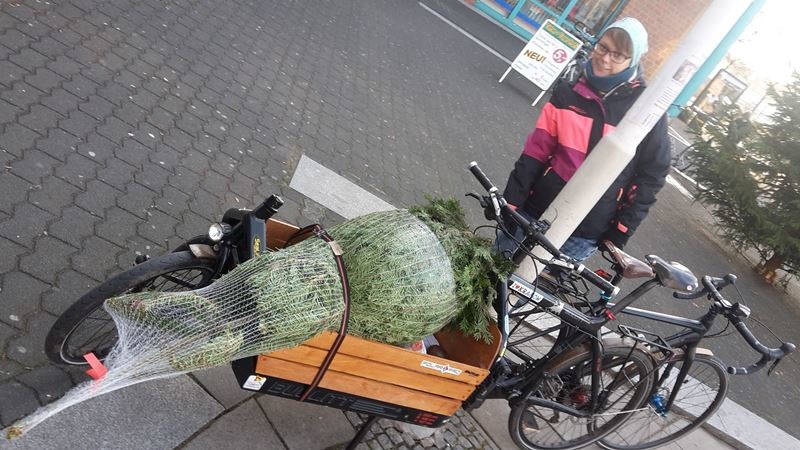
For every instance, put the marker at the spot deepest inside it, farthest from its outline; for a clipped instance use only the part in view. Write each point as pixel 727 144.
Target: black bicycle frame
pixel 689 339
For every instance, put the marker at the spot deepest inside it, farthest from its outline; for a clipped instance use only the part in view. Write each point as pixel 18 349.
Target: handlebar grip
pixel 751 369
pixel 482 178
pixel 598 281
pixel 268 207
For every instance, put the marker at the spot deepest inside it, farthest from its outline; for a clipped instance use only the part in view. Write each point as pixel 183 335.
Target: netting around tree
pixel 402 289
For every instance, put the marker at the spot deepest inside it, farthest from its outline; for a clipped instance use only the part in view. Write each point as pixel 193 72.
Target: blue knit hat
pixel 638 36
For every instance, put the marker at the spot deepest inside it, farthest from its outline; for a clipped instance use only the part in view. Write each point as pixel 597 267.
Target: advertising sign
pixel 546 54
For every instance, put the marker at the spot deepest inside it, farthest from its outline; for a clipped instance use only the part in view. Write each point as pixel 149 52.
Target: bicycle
pixel 576 393
pixel 691 383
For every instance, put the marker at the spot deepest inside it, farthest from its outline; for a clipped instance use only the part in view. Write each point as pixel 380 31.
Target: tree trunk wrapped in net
pixel 404 285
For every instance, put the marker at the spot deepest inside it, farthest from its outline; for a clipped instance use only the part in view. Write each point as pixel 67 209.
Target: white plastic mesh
pixel 402 289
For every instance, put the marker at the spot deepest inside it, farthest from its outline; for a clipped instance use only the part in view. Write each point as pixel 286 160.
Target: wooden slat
pixel 399 357
pixel 378 371
pixel 363 387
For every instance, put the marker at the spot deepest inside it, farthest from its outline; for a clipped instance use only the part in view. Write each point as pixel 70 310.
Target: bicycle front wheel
pixel 626 380
pixel 699 396
pixel 86 327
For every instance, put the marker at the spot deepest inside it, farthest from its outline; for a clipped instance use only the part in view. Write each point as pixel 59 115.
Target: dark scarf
pixel 605 84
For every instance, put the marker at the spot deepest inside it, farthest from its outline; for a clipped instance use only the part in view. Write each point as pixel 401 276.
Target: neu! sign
pixel 545 55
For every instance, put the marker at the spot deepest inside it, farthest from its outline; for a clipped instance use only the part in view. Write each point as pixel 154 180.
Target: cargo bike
pixel 573 389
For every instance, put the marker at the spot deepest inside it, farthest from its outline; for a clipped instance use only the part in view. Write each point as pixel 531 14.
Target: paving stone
pixel 33 166
pixel 78 170
pixel 97 258
pixel 133 152
pixel 116 173
pixel 312 426
pixel 40 119
pixel 97 107
pixel 158 228
pixel 172 201
pixel 17 138
pixel 28 349
pixel 70 285
pixel 48 382
pixel 221 384
pixel 49 257
pixel 118 225
pixel 243 427
pixel 20 297
pixel 53 195
pixel 97 197
pixel 79 124
pixel 18 401
pixel 15 190
pixel 176 409
pixel 137 200
pixel 44 79
pixel 115 129
pixel 73 225
pixel 61 101
pixel 27 223
pixel 81 86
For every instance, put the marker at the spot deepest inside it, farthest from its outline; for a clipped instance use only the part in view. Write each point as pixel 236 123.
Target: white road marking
pixel 333 191
pixel 671 180
pixel 465 33
pixel 678 137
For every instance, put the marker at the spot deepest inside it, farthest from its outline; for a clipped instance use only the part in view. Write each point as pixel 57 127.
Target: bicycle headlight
pixel 217 231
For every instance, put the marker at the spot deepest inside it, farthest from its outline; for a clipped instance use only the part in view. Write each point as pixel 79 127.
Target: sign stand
pixel 544 57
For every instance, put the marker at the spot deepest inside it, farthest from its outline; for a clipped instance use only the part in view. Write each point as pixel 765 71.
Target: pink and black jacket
pixel 568 128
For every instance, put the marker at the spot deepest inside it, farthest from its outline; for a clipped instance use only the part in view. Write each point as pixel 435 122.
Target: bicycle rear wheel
pixel 700 395
pixel 626 380
pixel 86 326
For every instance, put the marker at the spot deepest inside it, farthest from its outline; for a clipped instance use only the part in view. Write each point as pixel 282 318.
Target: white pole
pixel 614 151
pixel 539 97
pixel 504 75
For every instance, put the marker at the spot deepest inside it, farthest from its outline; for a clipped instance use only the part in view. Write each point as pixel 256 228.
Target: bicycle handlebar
pixel 712 285
pixel 532 230
pixel 768 353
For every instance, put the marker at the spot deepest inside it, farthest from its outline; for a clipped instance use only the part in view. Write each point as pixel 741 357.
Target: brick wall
pixel 666 23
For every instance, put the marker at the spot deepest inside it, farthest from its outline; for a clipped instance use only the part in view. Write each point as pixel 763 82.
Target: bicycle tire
pixel 549 431
pixel 648 429
pixel 140 277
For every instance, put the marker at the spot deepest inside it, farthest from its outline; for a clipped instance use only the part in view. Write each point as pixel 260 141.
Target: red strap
pixel 337 254
pixel 98 370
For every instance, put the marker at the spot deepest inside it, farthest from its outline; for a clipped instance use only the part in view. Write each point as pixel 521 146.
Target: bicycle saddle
pixel 673 275
pixel 631 267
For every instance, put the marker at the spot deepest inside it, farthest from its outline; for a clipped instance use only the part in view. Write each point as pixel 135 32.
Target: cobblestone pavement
pixel 462 432
pixel 127 126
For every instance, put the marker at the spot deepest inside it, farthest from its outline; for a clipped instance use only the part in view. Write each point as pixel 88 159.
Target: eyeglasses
pixel 617 57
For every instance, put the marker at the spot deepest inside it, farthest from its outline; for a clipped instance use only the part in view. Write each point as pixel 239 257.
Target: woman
pixel 572 123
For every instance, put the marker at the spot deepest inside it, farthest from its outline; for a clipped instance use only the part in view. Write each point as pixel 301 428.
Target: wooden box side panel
pixel 403 358
pixel 356 385
pixel 278 233
pixel 467 350
pixel 378 371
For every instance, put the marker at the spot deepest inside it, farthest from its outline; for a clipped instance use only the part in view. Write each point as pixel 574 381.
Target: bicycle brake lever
pixel 481 200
